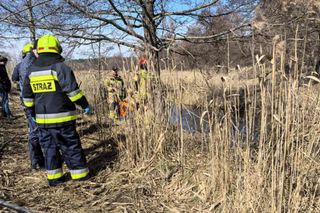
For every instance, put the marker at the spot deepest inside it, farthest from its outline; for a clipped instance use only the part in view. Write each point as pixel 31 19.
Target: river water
pixel 190 118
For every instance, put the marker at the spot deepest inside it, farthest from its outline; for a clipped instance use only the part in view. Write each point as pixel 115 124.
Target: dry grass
pixel 195 85
pixel 272 165
pixel 261 153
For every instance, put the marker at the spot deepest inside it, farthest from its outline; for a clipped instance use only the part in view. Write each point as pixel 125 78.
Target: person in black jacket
pixel 5 87
pixel 50 91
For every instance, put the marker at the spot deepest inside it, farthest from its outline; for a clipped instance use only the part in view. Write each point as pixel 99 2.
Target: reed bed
pixel 261 153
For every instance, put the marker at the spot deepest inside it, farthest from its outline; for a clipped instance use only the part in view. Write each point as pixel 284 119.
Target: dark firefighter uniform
pixel 50 91
pixel 18 75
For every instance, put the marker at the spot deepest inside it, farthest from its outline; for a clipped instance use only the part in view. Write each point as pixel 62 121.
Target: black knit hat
pixel 115 68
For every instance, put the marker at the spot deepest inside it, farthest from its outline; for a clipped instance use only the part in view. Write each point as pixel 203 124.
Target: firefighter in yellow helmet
pixel 142 81
pixel 51 91
pixel 116 93
pixel 19 74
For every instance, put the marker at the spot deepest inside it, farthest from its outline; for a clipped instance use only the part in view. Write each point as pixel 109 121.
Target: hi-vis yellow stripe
pixel 77 174
pixel 28 104
pixel 43 78
pixel 76 97
pixel 54 174
pixel 56 120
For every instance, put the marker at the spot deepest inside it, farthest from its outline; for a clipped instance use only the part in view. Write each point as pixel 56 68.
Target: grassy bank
pixel 261 153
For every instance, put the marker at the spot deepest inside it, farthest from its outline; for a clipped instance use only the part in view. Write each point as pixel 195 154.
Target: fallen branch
pixel 14 207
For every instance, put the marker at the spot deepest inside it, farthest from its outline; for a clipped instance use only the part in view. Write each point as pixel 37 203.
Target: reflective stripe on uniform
pixel 54 174
pixel 75 95
pixel 79 173
pixel 28 102
pixel 44 72
pixel 56 117
pixel 43 78
pixel 43 75
pixel 49 48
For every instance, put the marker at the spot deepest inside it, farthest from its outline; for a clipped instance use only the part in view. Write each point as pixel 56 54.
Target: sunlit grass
pixel 261 153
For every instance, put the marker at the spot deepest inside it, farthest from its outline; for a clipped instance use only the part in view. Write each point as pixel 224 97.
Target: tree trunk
pixel 150 33
pixel 31 25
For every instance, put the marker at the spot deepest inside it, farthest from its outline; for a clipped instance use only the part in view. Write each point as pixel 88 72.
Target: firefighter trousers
pixel 35 152
pixel 63 144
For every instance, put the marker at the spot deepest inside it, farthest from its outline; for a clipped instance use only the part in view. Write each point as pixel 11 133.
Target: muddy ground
pixel 111 189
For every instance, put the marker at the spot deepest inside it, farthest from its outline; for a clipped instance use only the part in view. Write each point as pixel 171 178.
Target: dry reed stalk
pixel 260 154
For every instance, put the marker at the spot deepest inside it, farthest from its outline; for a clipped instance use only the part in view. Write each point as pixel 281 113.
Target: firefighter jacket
pixel 142 81
pixel 50 91
pixel 20 71
pixel 116 89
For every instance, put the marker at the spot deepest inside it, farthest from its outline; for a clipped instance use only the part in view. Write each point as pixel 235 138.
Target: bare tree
pixel 21 19
pixel 142 25
pixel 297 23
pixel 147 26
pixel 224 48
pixel 31 24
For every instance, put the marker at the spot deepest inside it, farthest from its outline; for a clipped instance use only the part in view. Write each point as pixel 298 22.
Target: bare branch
pixel 218 35
pixel 12 13
pixel 108 21
pixel 186 12
pixel 100 37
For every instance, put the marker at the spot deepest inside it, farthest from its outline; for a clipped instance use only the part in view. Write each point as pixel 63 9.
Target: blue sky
pixel 14 47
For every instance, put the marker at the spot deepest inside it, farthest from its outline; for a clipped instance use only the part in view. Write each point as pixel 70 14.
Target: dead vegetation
pixel 263 159
pixel 259 153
